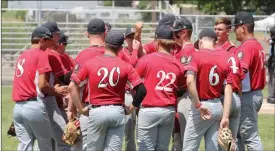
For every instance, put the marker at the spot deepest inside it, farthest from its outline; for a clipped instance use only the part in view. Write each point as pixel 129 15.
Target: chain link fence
pixel 16 30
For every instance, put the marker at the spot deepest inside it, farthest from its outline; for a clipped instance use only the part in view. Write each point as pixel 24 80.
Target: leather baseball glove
pixel 11 131
pixel 226 140
pixel 72 132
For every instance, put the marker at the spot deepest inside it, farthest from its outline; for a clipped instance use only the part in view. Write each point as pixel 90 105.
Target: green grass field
pixel 266 124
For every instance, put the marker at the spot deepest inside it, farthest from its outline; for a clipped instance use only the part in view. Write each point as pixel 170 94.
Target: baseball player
pixel 271 67
pixel 58 122
pixel 252 56
pixel 30 86
pixel 130 55
pixel 109 76
pixel 183 49
pixel 96 33
pixel 163 77
pixel 108 27
pixel 205 78
pixel 168 20
pixel 222 29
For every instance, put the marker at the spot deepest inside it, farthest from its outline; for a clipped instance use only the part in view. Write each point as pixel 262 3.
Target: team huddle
pixel 146 93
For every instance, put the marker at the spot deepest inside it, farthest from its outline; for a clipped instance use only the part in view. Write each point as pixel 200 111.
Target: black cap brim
pixel 240 24
pixel 196 44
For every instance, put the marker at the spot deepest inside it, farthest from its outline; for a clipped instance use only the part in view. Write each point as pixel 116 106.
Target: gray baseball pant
pixel 58 123
pixel 106 128
pixel 248 133
pixel 184 104
pixel 31 122
pixel 81 144
pixel 155 125
pixel 196 127
pixel 130 144
pixel 235 114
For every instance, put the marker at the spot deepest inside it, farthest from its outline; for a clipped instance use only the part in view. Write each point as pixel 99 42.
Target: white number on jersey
pixel 233 64
pixel 111 77
pixel 171 76
pixel 19 69
pixel 213 75
pixel 262 57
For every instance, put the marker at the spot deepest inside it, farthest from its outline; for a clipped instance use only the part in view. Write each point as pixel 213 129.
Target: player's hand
pixel 139 25
pixel 205 113
pixel 224 123
pixel 61 90
pixel 129 110
pixel 70 115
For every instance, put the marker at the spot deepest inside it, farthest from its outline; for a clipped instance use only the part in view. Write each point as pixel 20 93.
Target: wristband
pixel 197 106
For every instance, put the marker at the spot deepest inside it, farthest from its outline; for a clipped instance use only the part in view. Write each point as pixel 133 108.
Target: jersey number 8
pixel 111 77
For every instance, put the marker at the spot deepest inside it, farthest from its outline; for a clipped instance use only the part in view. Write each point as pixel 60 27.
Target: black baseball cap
pixel 129 30
pixel 243 18
pixel 96 26
pixel 272 32
pixel 164 32
pixel 205 33
pixel 108 26
pixel 64 39
pixel 182 23
pixel 114 37
pixel 167 19
pixel 42 32
pixel 52 26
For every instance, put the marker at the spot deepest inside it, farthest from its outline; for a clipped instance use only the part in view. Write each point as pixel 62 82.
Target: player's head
pixel 167 20
pixel 42 37
pixel 129 36
pixel 182 29
pixel 244 25
pixel 272 33
pixel 222 28
pixel 96 29
pixel 108 27
pixel 207 39
pixel 52 26
pixel 164 39
pixel 63 41
pixel 113 41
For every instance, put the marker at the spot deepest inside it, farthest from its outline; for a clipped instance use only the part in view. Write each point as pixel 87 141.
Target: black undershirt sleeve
pixel 140 94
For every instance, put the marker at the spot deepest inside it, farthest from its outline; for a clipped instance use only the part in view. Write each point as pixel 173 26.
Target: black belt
pixel 202 100
pixel 30 99
pixel 96 106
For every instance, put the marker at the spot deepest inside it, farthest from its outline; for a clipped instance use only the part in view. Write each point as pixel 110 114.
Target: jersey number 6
pixel 161 74
pixel 214 78
pixel 111 77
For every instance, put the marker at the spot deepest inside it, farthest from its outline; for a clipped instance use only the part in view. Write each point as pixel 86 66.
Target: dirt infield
pixel 267 108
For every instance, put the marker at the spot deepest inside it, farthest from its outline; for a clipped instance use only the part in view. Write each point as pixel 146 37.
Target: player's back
pixel 107 79
pixel 211 73
pixel 163 75
pixel 235 67
pixel 88 53
pixel 28 65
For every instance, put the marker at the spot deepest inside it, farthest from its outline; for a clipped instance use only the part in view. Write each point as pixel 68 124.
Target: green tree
pixel 123 3
pixel 4 4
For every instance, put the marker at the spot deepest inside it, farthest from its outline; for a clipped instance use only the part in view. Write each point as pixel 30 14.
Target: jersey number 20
pixel 162 75
pixel 106 74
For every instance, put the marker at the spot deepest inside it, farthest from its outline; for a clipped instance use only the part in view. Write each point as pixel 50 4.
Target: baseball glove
pixel 72 132
pixel 226 140
pixel 11 131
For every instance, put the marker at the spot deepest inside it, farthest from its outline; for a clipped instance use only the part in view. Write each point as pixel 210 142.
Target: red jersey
pixel 227 46
pixel 252 57
pixel 235 66
pixel 30 64
pixel 61 64
pixel 182 53
pixel 211 72
pixel 81 58
pixel 107 77
pixel 125 55
pixel 163 75
pixel 150 47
